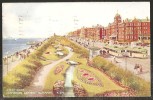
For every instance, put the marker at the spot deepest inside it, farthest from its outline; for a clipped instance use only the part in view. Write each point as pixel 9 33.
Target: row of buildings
pixel 121 31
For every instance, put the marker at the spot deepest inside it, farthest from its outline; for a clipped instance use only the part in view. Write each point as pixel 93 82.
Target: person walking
pixel 114 59
pixel 135 69
pixel 140 69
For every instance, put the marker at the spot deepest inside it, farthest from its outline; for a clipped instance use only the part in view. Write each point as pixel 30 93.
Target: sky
pixel 41 20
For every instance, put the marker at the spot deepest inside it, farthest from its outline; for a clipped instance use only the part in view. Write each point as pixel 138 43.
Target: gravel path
pixel 39 80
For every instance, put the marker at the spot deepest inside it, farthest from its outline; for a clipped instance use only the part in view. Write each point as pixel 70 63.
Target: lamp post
pixel 12 57
pixel 125 56
pixel 7 60
pixel 125 62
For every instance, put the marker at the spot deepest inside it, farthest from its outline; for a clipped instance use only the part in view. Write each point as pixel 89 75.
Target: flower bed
pixel 78 90
pixel 58 88
pixel 58 69
pixel 88 77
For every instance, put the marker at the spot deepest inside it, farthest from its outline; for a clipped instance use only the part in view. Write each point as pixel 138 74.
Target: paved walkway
pixel 10 66
pixel 130 63
pixel 39 80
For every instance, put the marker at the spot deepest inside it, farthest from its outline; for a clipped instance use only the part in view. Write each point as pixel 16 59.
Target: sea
pixel 10 46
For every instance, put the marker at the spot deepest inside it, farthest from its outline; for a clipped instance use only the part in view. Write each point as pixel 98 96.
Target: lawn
pixel 51 55
pixel 108 85
pixel 22 75
pixel 127 78
pixel 52 77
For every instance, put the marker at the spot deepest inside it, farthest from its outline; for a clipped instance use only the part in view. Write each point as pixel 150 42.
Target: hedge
pixel 125 77
pixel 22 75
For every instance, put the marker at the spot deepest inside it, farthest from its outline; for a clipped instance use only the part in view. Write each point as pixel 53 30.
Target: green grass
pixel 127 78
pixel 80 55
pixel 52 78
pixel 92 89
pixel 21 75
pixel 52 55
pixel 76 48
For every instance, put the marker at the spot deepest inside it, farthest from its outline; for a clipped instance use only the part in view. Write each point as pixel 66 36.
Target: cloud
pixel 44 19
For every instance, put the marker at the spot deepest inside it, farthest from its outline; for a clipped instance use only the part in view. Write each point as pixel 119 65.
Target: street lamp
pixel 12 57
pixel 125 55
pixel 7 60
pixel 93 39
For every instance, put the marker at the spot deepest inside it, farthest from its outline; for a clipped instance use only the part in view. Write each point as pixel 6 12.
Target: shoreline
pixel 22 45
pixel 11 61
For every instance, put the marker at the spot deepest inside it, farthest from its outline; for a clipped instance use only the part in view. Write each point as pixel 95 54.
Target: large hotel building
pixel 121 31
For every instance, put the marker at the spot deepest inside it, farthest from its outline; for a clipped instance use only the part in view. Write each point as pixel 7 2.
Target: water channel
pixel 68 92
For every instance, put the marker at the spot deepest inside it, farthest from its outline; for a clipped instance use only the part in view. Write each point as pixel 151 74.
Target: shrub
pixel 23 74
pixel 126 77
pixel 134 85
pixel 108 66
pixel 99 62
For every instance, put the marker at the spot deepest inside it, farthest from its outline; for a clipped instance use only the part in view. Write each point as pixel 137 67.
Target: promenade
pixel 11 61
pixel 89 80
pixel 127 64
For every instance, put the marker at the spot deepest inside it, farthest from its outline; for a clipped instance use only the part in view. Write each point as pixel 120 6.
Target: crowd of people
pixel 20 55
pixel 84 42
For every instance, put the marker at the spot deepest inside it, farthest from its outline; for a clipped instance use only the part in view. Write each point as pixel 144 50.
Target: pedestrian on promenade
pixel 17 54
pixel 135 68
pixel 5 59
pixel 140 69
pixel 114 59
pixel 20 56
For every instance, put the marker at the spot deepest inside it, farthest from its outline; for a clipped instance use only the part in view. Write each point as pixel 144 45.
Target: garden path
pixel 38 83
